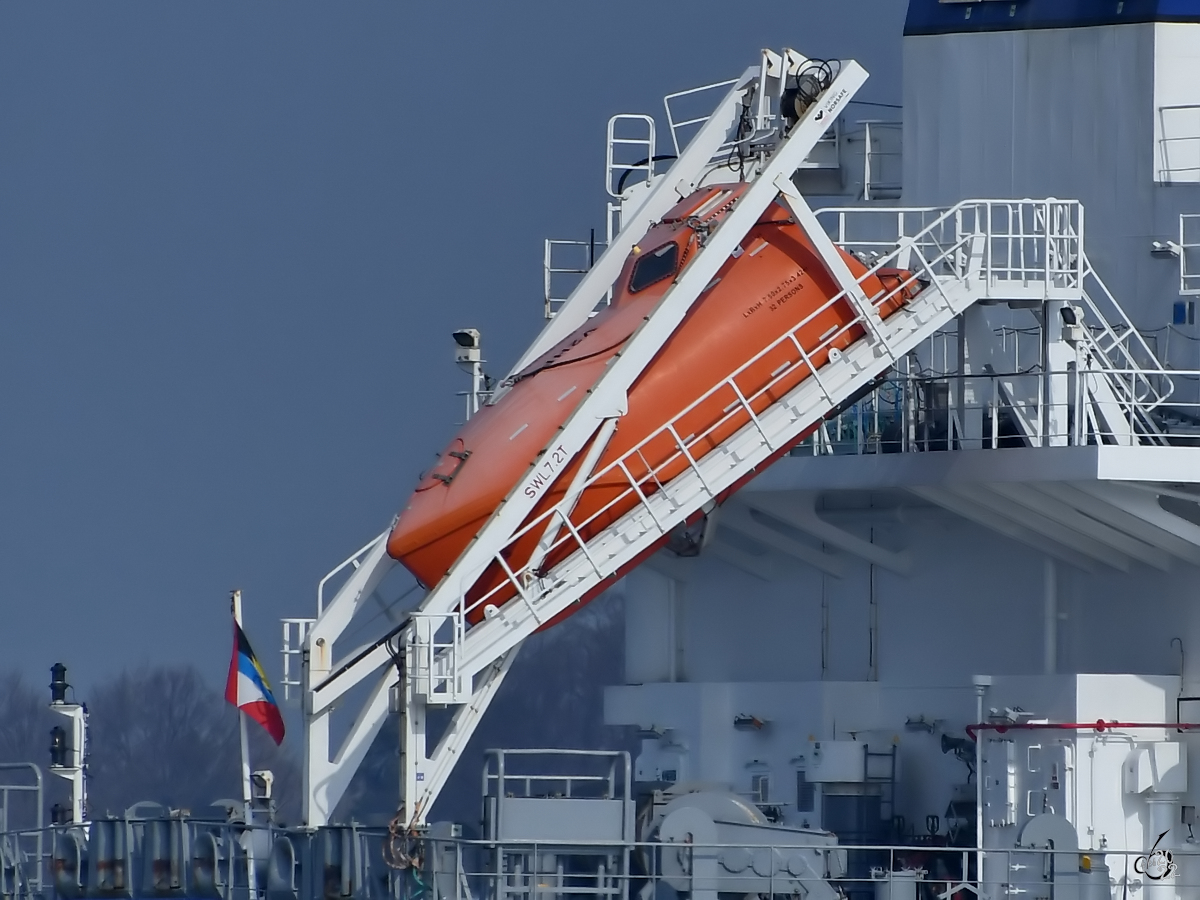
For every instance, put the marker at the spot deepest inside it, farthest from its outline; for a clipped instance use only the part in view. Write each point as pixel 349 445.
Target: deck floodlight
pixel 466 350
pixel 262 781
pixel 956 745
pixel 468 354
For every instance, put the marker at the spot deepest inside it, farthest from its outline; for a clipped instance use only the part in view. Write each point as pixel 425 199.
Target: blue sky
pixel 234 239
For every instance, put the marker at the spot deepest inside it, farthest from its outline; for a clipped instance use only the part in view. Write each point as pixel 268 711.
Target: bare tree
pixel 161 733
pixel 24 721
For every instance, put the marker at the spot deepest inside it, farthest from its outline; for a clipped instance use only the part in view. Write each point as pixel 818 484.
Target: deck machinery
pixel 942 646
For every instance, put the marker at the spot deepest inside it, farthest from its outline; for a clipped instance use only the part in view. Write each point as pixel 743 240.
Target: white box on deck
pixel 1160 767
pixel 835 761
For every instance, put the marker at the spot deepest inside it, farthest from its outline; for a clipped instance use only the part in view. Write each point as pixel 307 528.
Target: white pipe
pixel 982 682
pixel 247 791
pixel 1162 819
pixel 1050 617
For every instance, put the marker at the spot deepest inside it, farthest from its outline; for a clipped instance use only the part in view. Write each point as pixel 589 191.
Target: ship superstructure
pixel 910 607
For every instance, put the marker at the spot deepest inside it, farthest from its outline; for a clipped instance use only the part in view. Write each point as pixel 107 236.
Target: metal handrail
pixel 674 126
pixel 550 268
pixel 862 428
pixel 37 788
pixel 1167 172
pixel 869 154
pixel 618 760
pixel 1189 279
pixel 353 560
pixel 529 869
pixel 611 166
pixel 1061 246
pixel 295 631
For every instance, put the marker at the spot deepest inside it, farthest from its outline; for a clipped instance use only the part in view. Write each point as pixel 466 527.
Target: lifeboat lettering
pixel 546 471
pixel 786 297
pixel 837 98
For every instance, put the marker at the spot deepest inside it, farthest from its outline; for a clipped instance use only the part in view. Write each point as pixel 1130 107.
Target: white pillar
pixel 247 789
pixel 1057 355
pixel 972 395
pixel 982 683
pixel 1162 815
pixel 1050 617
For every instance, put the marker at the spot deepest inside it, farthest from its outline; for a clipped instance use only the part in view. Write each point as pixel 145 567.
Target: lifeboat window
pixel 653 267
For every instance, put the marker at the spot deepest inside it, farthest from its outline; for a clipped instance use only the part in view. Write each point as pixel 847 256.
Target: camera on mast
pixel 467 350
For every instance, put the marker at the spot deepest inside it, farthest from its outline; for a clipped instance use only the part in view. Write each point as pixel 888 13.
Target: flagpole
pixel 247 795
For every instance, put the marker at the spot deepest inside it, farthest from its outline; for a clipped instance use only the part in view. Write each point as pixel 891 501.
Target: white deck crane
pixel 1019 251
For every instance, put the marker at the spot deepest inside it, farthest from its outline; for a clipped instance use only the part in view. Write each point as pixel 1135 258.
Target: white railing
pixel 618 144
pixel 1140 374
pixel 564 263
pixel 350 563
pixel 295 631
pixel 527 773
pixel 827 152
pixel 1179 144
pixel 920 412
pixel 359 862
pixel 1034 251
pixel 433 666
pixel 882 158
pixel 683 125
pixel 1189 254
pixel 23 838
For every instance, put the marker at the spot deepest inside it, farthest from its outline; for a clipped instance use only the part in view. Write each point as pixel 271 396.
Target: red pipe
pixel 1098 726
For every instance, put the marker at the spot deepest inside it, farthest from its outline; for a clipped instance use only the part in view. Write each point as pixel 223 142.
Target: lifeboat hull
pixel 776 284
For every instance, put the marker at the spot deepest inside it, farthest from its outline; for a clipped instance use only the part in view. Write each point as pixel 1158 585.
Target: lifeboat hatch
pixel 654 266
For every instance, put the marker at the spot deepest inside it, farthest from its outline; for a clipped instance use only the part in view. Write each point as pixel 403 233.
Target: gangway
pixel 1025 252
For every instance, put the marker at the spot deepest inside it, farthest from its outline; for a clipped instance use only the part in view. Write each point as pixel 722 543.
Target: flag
pixel 247 688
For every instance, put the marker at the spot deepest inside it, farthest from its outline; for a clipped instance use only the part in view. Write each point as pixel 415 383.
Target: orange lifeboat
pixel 774 284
